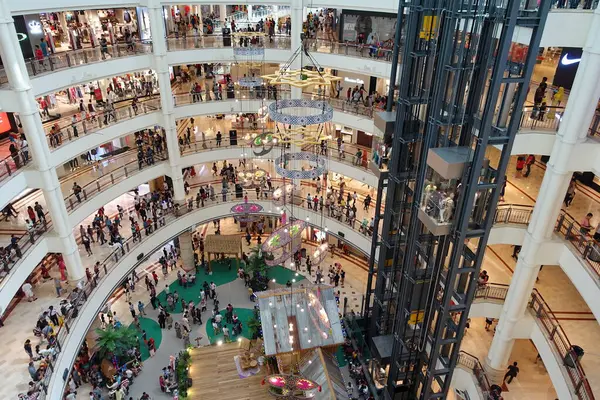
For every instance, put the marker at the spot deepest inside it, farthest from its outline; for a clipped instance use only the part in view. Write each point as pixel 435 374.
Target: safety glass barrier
pixel 569 359
pixel 73 58
pixel 472 363
pixel 11 164
pixel 191 40
pixel 225 91
pixel 19 247
pixel 146 157
pixel 68 129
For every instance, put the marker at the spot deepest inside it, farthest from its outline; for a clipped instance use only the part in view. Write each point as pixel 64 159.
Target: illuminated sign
pixel 4 123
pixel 351 80
pixel 35 28
pixel 21 36
pixel 565 60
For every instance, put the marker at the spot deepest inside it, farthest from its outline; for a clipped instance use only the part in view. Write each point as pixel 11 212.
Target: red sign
pixel 4 123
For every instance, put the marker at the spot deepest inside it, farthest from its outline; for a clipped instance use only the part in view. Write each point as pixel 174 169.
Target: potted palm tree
pixel 116 342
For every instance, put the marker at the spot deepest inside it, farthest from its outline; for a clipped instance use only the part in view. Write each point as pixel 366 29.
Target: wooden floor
pixel 215 376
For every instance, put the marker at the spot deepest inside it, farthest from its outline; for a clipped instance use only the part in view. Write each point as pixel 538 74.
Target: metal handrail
pixel 472 363
pixel 92 123
pixel 73 58
pixel 12 163
pixel 193 40
pixel 562 345
pixel 72 201
pixel 10 262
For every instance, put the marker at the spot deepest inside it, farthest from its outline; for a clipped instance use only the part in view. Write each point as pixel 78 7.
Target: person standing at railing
pixel 39 56
pixel 597 233
pixel 586 225
pixel 570 194
pixel 14 153
pixel 104 47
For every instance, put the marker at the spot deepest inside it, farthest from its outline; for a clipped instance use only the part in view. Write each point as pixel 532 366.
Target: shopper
pixel 512 373
pixel 570 193
pixel 528 163
pixel 520 166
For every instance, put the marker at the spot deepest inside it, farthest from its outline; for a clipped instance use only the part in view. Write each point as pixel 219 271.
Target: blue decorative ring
pixel 249 51
pixel 313 173
pixel 324 112
pixel 250 82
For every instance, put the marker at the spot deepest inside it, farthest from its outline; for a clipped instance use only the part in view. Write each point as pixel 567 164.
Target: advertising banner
pixel 567 67
pixel 358 27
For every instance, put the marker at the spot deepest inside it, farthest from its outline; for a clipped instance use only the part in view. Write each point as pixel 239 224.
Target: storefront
pixel 73 30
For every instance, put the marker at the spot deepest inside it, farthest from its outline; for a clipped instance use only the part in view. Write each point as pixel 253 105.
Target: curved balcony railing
pixel 377 51
pixel 204 96
pixel 472 363
pixel 552 329
pixel 557 336
pixel 74 58
pixel 492 291
pixel 11 164
pixel 93 188
pixel 541 120
pixel 196 41
pixel 63 131
pixel 347 156
pixel 11 255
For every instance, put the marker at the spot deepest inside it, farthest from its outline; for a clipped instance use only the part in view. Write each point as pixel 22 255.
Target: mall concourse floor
pixel 18 328
pixel 556 288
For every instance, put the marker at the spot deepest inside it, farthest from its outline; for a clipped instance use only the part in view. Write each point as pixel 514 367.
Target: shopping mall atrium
pixel 300 200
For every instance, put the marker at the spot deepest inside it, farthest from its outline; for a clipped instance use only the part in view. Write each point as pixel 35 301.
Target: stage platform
pixel 215 376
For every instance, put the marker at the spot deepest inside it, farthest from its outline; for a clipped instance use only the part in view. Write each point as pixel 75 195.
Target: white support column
pixel 573 131
pixel 223 12
pixel 161 66
pixel 297 17
pixel 36 137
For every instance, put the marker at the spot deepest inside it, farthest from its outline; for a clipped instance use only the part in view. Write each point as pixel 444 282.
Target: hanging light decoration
pixel 299 122
pixel 318 256
pixel 246 212
pixel 251 177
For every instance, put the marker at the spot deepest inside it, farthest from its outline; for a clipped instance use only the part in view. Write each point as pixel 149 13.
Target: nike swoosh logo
pixel 566 61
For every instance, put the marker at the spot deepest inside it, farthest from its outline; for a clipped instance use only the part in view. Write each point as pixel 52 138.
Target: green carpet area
pixel 244 314
pixel 221 276
pixel 282 274
pixel 152 331
pixel 341 359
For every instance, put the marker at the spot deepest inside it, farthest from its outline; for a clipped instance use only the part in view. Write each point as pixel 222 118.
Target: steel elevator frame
pixel 458 88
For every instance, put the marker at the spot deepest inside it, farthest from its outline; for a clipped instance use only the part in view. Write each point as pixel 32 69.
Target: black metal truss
pixel 456 83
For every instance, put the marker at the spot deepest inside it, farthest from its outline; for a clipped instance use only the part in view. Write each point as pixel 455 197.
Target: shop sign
pixel 354 80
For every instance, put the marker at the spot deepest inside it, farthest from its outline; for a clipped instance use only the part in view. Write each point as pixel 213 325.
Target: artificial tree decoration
pixel 182 365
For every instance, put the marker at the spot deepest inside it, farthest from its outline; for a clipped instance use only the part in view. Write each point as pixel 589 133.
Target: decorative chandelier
pixel 290 386
pixel 299 122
